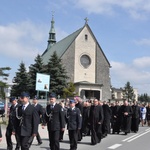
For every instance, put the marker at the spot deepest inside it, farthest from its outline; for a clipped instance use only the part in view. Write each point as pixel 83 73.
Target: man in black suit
pixel 107 116
pixel 135 117
pixel 0 134
pixel 11 126
pixel 74 124
pixel 96 118
pixel 79 105
pixel 126 114
pixel 39 109
pixel 27 121
pixel 54 118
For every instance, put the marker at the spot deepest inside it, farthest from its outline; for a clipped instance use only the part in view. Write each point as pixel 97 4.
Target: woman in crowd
pixel 143 114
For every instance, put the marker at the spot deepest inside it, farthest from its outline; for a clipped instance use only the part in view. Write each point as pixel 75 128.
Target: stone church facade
pixel 85 62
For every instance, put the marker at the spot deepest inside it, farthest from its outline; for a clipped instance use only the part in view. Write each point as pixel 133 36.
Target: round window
pixel 85 61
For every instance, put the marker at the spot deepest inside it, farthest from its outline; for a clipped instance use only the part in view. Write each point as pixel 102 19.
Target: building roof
pixel 60 47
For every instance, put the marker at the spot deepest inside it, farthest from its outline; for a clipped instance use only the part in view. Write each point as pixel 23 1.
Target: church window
pixel 85 61
pixel 86 37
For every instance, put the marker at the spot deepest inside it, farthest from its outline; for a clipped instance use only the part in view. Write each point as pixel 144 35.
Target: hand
pixel 0 139
pixel 33 135
pixel 13 133
pixel 126 113
pixel 63 129
pixel 99 122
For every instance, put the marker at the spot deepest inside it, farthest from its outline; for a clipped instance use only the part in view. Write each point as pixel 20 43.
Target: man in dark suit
pixel 79 105
pixel 27 121
pixel 11 126
pixel 54 118
pixel 74 124
pixel 126 114
pixel 107 116
pixel 0 134
pixel 135 117
pixel 96 118
pixel 39 109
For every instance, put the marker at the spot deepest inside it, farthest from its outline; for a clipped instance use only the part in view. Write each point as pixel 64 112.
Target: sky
pixel 122 28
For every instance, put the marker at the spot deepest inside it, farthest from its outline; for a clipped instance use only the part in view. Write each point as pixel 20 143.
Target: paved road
pixel 131 141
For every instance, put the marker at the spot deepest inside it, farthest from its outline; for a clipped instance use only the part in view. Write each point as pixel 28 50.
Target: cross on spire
pixel 53 13
pixel 86 20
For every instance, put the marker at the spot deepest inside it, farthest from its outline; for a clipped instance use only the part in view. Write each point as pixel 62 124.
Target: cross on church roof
pixel 86 20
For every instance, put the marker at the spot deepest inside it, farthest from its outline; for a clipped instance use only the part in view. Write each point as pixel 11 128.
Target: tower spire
pixel 52 34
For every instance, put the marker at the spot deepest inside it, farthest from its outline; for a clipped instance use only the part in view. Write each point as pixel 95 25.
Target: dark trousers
pixel 73 137
pixel 54 139
pixel 9 140
pixel 37 137
pixel 25 142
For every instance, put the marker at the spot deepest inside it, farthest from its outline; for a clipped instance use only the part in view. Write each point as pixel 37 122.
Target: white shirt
pixel 25 106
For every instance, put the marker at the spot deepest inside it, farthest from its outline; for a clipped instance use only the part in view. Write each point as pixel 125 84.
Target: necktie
pixel 52 106
pixel 23 107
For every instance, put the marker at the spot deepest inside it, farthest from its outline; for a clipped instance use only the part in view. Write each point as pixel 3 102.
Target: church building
pixel 84 60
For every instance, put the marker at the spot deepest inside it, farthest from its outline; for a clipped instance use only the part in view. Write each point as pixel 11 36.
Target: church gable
pixel 84 53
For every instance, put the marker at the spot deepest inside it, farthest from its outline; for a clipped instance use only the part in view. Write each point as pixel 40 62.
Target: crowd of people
pixel 92 118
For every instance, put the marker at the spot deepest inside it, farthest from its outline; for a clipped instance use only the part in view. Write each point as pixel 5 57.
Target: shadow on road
pixel 46 148
pixel 85 143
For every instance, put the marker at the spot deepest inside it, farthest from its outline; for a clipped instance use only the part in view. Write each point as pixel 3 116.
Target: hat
pixel 35 97
pixel 52 95
pixel 12 99
pixel 72 101
pixel 24 94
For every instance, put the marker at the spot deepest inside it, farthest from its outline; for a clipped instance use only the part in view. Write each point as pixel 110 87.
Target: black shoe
pixel 39 144
pixel 125 133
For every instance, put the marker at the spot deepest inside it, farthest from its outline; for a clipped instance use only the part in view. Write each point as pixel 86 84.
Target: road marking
pixel 147 129
pixel 114 146
pixel 129 137
pixel 138 136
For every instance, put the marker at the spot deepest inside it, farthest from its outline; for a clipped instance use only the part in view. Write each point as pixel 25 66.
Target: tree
pixel 35 68
pixel 3 84
pixel 20 81
pixel 144 98
pixel 128 92
pixel 69 91
pixel 58 77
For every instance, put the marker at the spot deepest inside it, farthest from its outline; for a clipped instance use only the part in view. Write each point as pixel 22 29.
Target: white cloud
pixel 21 39
pixel 25 39
pixel 144 41
pixel 138 77
pixel 137 9
pixel 143 62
